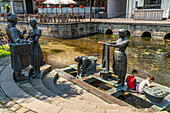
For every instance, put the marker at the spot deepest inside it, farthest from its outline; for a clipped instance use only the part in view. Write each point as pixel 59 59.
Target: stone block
pixel 22 110
pixel 30 112
pixel 5 100
pixel 15 107
pixel 10 104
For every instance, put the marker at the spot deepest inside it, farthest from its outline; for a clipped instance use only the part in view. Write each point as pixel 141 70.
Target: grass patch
pixel 3 53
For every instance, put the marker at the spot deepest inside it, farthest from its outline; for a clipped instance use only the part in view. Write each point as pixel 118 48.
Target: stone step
pixel 43 105
pixel 39 91
pixel 65 86
pixel 55 100
pixel 73 93
pixel 10 88
pixel 49 83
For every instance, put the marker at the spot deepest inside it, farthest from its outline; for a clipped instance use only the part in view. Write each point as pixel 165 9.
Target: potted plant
pixel 71 6
pixel 59 6
pixel 99 6
pixel 81 6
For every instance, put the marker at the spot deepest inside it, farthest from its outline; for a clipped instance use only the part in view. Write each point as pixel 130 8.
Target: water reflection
pixel 148 56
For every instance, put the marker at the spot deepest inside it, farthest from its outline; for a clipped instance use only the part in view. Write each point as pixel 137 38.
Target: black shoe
pixel 35 75
pixel 21 78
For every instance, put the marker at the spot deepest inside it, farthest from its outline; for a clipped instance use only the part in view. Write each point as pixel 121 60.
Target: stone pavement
pixel 6 104
pixel 26 97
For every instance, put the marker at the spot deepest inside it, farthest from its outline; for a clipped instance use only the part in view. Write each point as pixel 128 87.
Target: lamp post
pixel 90 11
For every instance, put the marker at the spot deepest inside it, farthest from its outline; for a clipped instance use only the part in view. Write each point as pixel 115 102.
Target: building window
pixel 3 3
pixel 152 4
pixel 18 7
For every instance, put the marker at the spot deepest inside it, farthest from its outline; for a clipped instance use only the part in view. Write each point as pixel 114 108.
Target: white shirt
pixel 141 85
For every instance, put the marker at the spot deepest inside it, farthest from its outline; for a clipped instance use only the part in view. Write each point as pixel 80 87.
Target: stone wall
pixel 158 30
pixel 76 30
pixel 59 30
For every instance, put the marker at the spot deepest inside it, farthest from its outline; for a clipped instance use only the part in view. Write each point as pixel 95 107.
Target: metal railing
pixel 82 17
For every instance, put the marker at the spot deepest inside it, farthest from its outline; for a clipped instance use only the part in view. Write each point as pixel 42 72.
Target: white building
pixel 153 5
pixel 17 6
pixel 117 8
pixel 126 8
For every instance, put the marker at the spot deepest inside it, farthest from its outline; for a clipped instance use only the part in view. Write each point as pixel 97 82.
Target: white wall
pixel 165 6
pixel 140 3
pixel 131 8
pixel 116 7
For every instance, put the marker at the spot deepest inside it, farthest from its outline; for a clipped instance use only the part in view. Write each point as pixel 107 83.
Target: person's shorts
pixel 132 89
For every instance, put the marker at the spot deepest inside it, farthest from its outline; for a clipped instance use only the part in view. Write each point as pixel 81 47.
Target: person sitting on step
pixel 143 83
pixel 131 80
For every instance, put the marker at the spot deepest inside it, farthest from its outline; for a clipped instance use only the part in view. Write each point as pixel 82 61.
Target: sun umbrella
pixel 60 2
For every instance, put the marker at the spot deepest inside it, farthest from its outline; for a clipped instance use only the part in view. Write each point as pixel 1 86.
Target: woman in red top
pixel 131 80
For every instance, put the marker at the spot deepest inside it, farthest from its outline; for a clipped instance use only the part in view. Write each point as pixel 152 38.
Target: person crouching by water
pixel 36 53
pixel 119 57
pixel 19 56
pixel 85 66
pixel 143 83
pixel 131 80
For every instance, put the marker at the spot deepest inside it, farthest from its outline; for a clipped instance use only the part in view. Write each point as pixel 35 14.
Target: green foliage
pixel 3 53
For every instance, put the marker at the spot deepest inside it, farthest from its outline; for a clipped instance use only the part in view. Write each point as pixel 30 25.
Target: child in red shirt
pixel 131 80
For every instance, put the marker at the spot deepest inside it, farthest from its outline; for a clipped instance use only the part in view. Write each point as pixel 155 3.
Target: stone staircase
pixel 54 94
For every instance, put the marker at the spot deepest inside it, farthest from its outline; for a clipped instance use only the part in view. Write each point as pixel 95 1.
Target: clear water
pixel 147 56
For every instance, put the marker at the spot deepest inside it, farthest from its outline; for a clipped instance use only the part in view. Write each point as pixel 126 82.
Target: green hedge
pixel 3 53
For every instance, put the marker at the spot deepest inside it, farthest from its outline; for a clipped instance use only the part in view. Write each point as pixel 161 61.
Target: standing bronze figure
pixel 19 48
pixel 36 53
pixel 119 56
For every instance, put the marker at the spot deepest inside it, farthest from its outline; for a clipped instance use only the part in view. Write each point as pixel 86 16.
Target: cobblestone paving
pixel 7 105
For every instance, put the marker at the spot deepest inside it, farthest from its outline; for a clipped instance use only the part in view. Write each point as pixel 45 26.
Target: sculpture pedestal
pixel 105 74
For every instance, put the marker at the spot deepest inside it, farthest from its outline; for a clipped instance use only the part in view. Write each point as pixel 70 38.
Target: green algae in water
pixel 56 50
pixel 151 57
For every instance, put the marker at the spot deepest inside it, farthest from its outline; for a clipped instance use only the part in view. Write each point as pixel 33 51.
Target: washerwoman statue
pixel 85 66
pixel 19 56
pixel 119 57
pixel 36 53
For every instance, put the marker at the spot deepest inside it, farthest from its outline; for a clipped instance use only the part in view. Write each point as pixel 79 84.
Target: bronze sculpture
pixel 19 48
pixel 86 65
pixel 119 57
pixel 36 55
